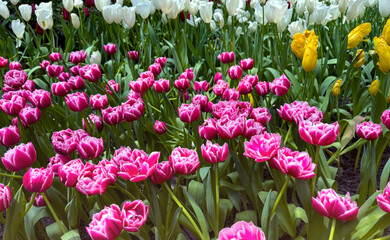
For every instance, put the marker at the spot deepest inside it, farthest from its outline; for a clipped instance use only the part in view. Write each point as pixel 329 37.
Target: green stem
pixel 184 210
pixel 30 203
pixel 332 230
pixel 124 191
pixel 10 175
pixel 54 213
pixel 313 186
pixel 282 191
pixel 288 134
pixel 216 196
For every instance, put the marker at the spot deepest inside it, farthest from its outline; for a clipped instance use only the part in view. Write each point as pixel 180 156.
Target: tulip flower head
pixel 38 179
pixel 262 147
pixel 19 157
pixel 5 197
pixel 214 153
pixel 184 161
pixel 241 230
pixel 318 133
pixel 106 224
pixel 383 199
pixel 357 35
pixel 134 215
pixel 368 130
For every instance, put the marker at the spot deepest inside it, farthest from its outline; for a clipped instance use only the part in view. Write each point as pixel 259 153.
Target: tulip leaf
pixel 196 190
pixel 385 175
pixel 247 216
pixel 71 235
pixel 31 218
pixel 15 216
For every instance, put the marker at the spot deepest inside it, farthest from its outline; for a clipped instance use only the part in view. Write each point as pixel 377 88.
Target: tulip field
pixel 195 119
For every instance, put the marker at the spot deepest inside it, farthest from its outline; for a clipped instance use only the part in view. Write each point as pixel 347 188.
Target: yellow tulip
pixel 386 32
pixel 309 61
pixel 357 34
pixel 360 58
pixel 374 87
pixel 298 45
pixel 383 51
pixel 336 87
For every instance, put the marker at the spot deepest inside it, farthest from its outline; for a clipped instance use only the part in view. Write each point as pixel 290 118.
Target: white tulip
pixel 117 13
pixel 156 4
pixel 120 2
pixel 300 7
pixel 275 10
pixel 232 6
pixel 18 28
pixel 164 18
pixel 311 5
pixel 68 5
pixel 259 14
pixel 218 17
pixel 238 31
pixel 343 5
pixel 96 58
pixel 384 7
pixel 145 8
pixel 78 3
pixel 371 3
pixel 14 2
pixel 177 7
pixel 166 6
pixel 334 12
pixel 194 21
pixel 44 13
pixel 296 27
pixel 75 20
pixel 230 19
pixel 108 14
pixel 193 7
pixel 129 16
pixel 4 12
pixel 25 11
pixel 253 3
pixel 252 26
pixel 213 26
pixel 206 11
pixel 285 21
pixel 356 8
pixel 319 14
pixel 100 4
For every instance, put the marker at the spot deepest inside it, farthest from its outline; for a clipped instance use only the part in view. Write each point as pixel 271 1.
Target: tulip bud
pixel 60 89
pixel 360 58
pixel 19 157
pixel 160 127
pixel 77 101
pixel 75 20
pixel 206 11
pixel 3 62
pixel 38 180
pixel 336 87
pixel 18 28
pixel 29 115
pixel 4 11
pixel 68 5
pixel 110 48
pixel 133 55
pixel 94 120
pixel 155 69
pixel 226 57
pixel 374 88
pixel 235 72
pixel 112 116
pixel 5 197
pixel 98 101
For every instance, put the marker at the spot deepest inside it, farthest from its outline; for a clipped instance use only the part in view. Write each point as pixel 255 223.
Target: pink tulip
pixel 57 161
pixel 319 133
pixel 299 111
pixel 29 86
pixel 132 110
pixel 15 78
pixel 252 79
pixel 220 87
pixel 244 86
pixel 280 86
pixel 38 179
pixel 134 215
pixel 184 96
pixel 77 57
pixel 54 70
pixel 94 120
pixel 241 230
pixel 98 101
pixel 262 147
pixel 15 65
pixel 155 69
pixel 217 77
pixel 3 62
pixel 91 72
pixel 200 100
pixel 140 86
pixel 90 147
pixel 21 93
pixel 64 142
pixel 44 64
pixel 202 85
pixel 231 94
pixel 189 113
pixel 162 61
pixel 235 72
pixel 230 128
pixel 9 136
pixel 60 88
pixel 39 201
pixel 106 224
pixel 95 179
pixel 261 115
pixel 262 88
pixel 383 199
pixel 188 74
pixel 208 108
pixel 163 172
pixel 293 163
pixel 161 85
pixel 138 166
pixel 112 116
pixel 113 85
pixel 76 83
pixel 77 101
pixel 69 172
pixel 253 128
pixel 184 161
pixel 331 205
pixel 233 109
pixel 40 98
pixel 134 95
pixel 55 57
pixel 214 153
pixel 75 70
pixel 63 77
pixel 29 115
pixel 246 64
pixel 133 55
pixel 368 130
pixel 226 57
pixel 110 48
pixel 13 106
pixel 208 130
pixel 182 83
pixel 386 118
pixel 5 197
pixel 160 127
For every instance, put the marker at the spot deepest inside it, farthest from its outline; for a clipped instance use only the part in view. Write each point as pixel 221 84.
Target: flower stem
pixel 30 203
pixel 10 175
pixel 216 196
pixel 282 191
pixel 184 210
pixel 54 213
pixel 313 186
pixel 332 230
pixel 288 134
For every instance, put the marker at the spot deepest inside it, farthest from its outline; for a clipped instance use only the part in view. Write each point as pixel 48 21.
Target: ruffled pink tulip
pixel 184 161
pixel 220 87
pixel 202 85
pixel 280 86
pixel 3 62
pixel 188 74
pixel 60 88
pixel 230 128
pixel 94 120
pixel 29 86
pixel 140 86
pixel 13 106
pixel 15 78
pixel 160 127
pixel 217 77
pixel 133 55
pixel 112 116
pixel 40 98
pixel 235 72
pixel 55 57
pixel 261 115
pixel 293 163
pixel 106 224
pixel 132 110
pixel 63 77
pixel 134 215
pixel 244 87
pixel 208 130
pixel 226 57
pixel 69 172
pixel 77 101
pixel 163 172
pixel 331 205
pixel 54 70
pixel 75 70
pixel 110 48
pixel 214 153
pixel 91 72
pixel 15 65
pixel 386 118
pixel 5 197
pixel 189 112
pixel 241 230
pixel 44 64
pixel 383 199
pixel 29 115
pixel 368 130
pixel 64 141
pixel 246 64
pixel 57 161
pixel 200 100
pixel 319 133
pixel 155 69
pixel 39 201
pixel 262 147
pixel 76 83
pixel 9 136
pixel 262 88
pixel 90 147
pixel 98 101
pixel 162 61
pixel 252 128
pixel 38 179
pixel 161 85
pixel 19 157
pixel 231 94
pixel 77 57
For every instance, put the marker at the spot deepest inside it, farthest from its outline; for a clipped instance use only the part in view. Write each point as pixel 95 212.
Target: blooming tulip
pixel 241 230
pixel 76 83
pixel 208 129
pixel 184 161
pixel 55 57
pixel 368 130
pixel 331 205
pixel 106 224
pixel 98 101
pixel 9 136
pixel 57 161
pixel 38 179
pixel 134 215
pixel 132 110
pixel 357 35
pixel 77 57
pixel 91 72
pixel 15 78
pixel 293 163
pixel 13 106
pixel 112 116
pixel 235 72
pixel 262 88
pixel 60 88
pixel 69 172
pixel 246 64
pixel 40 98
pixel 64 142
pixel 163 172
pixel 77 101
pixel 75 70
pixel 29 115
pixel 226 57
pixel 252 128
pixel 160 127
pixel 54 70
pixel 129 17
pixel 90 147
pixel 206 11
pixel 161 85
pixel 113 85
pixel 262 147
pixel 229 128
pixel 214 153
pixel 64 76
pixel 19 157
pixel 110 48
pixel 280 86
pixel 318 133
pixel 386 118
pixel 155 69
pixel 231 94
pixel 188 112
pixel 5 197
pixel 383 199
pixel 15 66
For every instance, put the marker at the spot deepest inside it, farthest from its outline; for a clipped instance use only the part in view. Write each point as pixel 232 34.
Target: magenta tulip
pixel 91 72
pixel 77 57
pixel 262 88
pixel 160 127
pixel 40 98
pixel 184 161
pixel 5 197
pixel 132 110
pixel 98 101
pixel 112 116
pixel 189 112
pixel 134 215
pixel 252 128
pixel 15 78
pixel 162 61
pixel 55 57
pixel 235 72
pixel 19 157
pixel 246 64
pixel 220 87
pixel 69 172
pixel 319 133
pixel 77 101
pixel 241 231
pixel 76 83
pixel 106 224
pixel 9 136
pixel 163 172
pixel 208 130
pixel 226 57
pixel 29 115
pixel 230 128
pixel 93 120
pixel 383 199
pixel 280 86
pixel 38 179
pixel 368 130
pixel 110 48
pixel 90 147
pixel 15 65
pixel 214 153
pixel 262 147
pixel 261 115
pixel 60 89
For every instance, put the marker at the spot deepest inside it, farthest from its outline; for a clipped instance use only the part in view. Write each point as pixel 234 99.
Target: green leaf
pixel 31 218
pixel 247 216
pixel 15 216
pixel 71 235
